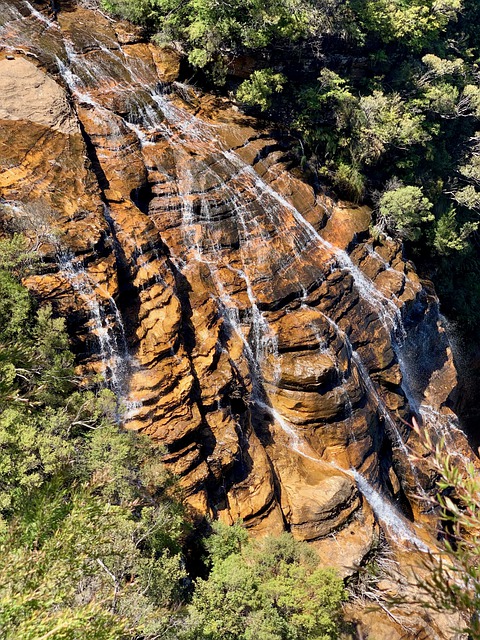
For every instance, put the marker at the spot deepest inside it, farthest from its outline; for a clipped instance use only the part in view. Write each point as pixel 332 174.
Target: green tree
pixel 321 106
pixel 470 170
pixel 270 589
pixel 349 179
pixel 214 31
pixel 84 571
pixel 410 22
pixel 468 197
pixel 90 523
pixel 386 121
pixel 258 90
pixel 449 237
pixel 16 307
pixel 404 210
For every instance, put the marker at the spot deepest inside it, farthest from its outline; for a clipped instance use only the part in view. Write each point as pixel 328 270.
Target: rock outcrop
pixel 253 328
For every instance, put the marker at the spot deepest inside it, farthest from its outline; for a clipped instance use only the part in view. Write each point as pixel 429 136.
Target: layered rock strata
pixel 252 327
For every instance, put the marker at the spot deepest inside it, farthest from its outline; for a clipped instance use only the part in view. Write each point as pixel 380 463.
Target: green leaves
pixel 15 255
pixel 16 307
pixel 90 527
pixel 260 87
pixel 403 211
pixel 387 121
pixel 94 554
pixel 270 589
pixel 84 576
pixel 411 22
pixel 450 580
pixel 32 448
pixel 226 541
pixel 450 236
pixel 212 32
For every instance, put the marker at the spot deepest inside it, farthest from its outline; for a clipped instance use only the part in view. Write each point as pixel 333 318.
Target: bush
pixel 271 589
pixel 403 211
pixel 349 180
pixel 449 237
pixel 258 90
pixel 213 30
pixel 89 527
pixel 452 582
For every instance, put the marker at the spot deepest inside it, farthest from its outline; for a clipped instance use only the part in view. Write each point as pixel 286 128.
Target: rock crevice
pixel 252 327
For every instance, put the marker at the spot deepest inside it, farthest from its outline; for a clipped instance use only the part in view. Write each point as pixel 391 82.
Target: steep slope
pixel 251 326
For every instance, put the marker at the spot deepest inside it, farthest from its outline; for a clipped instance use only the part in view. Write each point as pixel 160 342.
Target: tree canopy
pixel 86 549
pixel 270 589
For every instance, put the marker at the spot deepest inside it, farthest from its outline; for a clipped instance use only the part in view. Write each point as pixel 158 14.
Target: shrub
pixel 269 589
pixel 451 579
pixel 258 90
pixel 404 210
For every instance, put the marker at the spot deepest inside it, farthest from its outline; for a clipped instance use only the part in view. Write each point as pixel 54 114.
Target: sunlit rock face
pixel 252 327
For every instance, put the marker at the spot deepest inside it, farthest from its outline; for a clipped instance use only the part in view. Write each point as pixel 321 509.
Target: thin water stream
pixel 109 331
pixel 153 115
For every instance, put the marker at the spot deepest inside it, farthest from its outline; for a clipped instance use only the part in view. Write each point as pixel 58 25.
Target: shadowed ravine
pixel 252 327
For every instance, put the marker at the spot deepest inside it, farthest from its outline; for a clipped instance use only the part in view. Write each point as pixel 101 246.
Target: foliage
pixel 83 571
pixel 403 210
pixel 412 23
pixel 259 88
pixel 387 121
pixel 90 525
pixel 350 180
pixel 327 102
pixel 225 542
pixel 448 237
pixel 15 256
pixel 451 580
pixel 268 589
pixel 468 197
pixel 214 30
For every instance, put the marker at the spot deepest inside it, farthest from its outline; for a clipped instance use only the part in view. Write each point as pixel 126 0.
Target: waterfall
pixel 105 320
pixel 272 241
pixel 182 128
pixel 387 515
pixel 110 336
pixel 40 16
pixel 396 525
pixel 394 434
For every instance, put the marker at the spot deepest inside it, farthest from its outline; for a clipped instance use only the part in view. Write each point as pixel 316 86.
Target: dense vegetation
pixel 382 97
pixel 265 590
pixel 88 548
pixel 92 531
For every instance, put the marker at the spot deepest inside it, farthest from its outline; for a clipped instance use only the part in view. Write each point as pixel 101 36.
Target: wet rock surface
pixel 252 327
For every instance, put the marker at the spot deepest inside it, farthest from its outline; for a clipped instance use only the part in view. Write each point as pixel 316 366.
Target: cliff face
pixel 252 327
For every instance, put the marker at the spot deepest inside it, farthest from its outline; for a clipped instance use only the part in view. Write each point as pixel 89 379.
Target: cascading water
pixel 386 514
pixel 262 267
pixel 396 525
pixel 110 335
pixel 388 313
pixel 179 127
pixel 105 323
pixel 40 16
